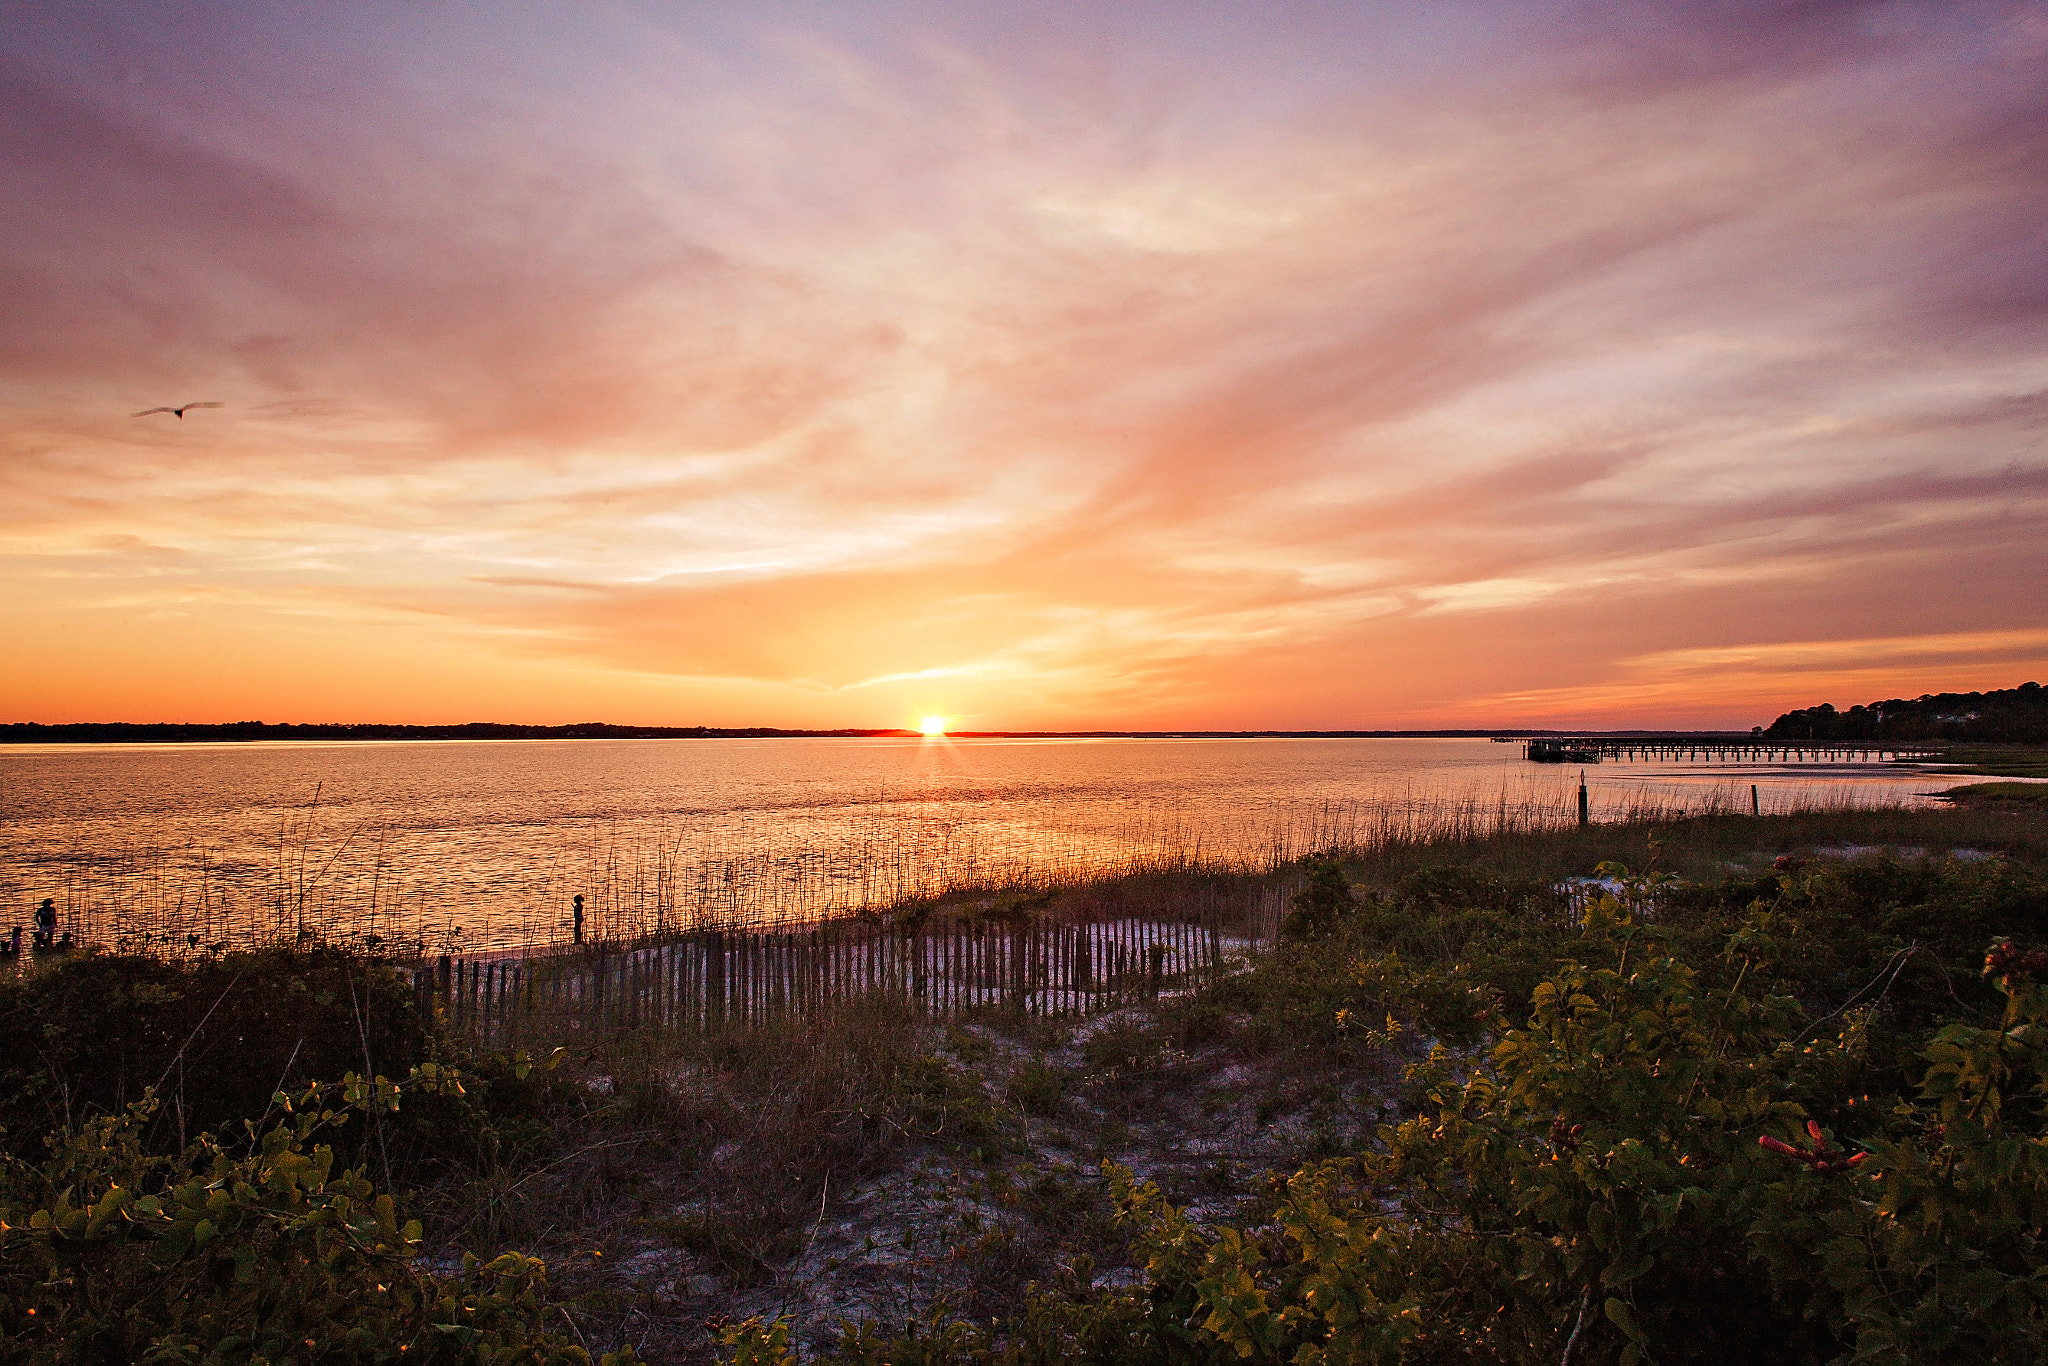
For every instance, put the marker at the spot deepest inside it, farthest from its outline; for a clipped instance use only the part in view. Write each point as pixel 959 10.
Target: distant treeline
pixel 175 732
pixel 2016 715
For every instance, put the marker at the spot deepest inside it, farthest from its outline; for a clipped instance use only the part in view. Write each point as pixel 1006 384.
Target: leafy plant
pixel 1641 1169
pixel 257 1251
pixel 1324 897
pixel 1931 1249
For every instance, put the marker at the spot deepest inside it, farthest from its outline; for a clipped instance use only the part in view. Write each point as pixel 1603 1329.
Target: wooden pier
pixel 712 977
pixel 1707 749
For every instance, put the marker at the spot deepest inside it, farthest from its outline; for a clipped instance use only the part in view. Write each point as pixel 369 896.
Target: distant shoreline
pixel 173 732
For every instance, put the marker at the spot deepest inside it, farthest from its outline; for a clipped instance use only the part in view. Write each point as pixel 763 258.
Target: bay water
pixel 481 845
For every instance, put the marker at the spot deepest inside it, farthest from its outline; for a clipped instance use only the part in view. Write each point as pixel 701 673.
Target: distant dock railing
pixel 1591 749
pixel 710 977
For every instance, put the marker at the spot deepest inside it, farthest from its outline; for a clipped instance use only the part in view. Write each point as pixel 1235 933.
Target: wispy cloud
pixel 830 365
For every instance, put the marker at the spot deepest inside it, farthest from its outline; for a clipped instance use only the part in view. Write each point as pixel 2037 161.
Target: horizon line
pixel 187 732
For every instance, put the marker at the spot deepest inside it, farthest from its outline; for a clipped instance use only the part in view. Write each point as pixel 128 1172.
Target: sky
pixel 1041 365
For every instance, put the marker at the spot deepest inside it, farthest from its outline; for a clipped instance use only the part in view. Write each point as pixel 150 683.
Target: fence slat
pixel 702 978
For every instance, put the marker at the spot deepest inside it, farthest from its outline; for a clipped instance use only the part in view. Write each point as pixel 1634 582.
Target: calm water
pixel 482 844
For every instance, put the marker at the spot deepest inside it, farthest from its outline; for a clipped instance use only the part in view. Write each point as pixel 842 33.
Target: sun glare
pixel 934 725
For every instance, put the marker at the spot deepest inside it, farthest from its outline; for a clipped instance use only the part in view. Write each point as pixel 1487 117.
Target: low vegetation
pixel 1999 794
pixel 1725 1089
pixel 1998 761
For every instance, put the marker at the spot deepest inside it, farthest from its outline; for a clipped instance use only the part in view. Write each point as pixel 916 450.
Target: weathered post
pixel 915 941
pixel 714 955
pixel 1755 807
pixel 1585 807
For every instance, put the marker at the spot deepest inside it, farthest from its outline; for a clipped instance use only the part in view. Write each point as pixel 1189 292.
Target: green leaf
pixel 1620 1315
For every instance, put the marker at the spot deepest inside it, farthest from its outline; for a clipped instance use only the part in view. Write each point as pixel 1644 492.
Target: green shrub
pixel 1672 1157
pixel 1036 1087
pixel 1323 900
pixel 260 1251
pixel 212 1038
pixel 1936 1254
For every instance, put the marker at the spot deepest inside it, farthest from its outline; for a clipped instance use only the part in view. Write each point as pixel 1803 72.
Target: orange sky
pixel 1039 366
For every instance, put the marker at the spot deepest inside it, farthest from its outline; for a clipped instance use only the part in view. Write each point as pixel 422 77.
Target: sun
pixel 933 725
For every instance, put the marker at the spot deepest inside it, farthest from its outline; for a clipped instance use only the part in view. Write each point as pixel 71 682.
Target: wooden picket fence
pixel 713 976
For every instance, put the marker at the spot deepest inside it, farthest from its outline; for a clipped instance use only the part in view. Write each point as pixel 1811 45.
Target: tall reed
pixel 396 890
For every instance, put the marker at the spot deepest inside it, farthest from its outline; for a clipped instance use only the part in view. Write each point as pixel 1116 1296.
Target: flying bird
pixel 178 412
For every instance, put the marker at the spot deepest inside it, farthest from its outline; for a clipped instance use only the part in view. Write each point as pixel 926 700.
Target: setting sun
pixel 933 725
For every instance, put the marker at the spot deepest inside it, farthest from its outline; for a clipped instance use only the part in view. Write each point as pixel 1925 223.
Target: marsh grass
pixel 1980 794
pixel 353 884
pixel 729 1147
pixel 1710 846
pixel 2004 761
pixel 728 1143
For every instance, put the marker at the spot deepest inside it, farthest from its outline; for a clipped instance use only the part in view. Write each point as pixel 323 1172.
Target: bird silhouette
pixel 178 412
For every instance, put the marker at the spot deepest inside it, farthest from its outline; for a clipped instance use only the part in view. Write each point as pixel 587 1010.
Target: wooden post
pixel 1015 967
pixel 714 952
